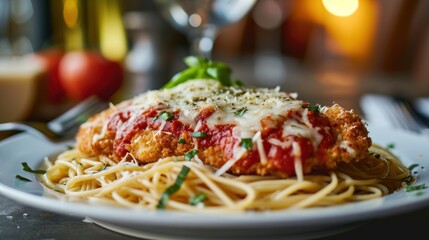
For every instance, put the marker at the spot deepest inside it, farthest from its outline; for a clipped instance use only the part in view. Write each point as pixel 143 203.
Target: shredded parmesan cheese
pixel 161 127
pixel 257 138
pixel 231 162
pixel 298 161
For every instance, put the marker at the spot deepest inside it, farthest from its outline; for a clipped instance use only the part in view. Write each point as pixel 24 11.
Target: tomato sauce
pixel 281 158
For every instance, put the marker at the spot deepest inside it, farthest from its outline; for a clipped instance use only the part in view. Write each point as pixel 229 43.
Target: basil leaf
pixel 27 168
pixel 314 108
pixel 222 66
pixel 201 197
pixel 412 166
pixel 173 188
pixel 189 155
pixel 202 74
pixel 220 74
pixel 391 146
pixel 415 187
pixel 240 111
pixel 246 143
pixel 192 61
pixel 22 178
pixel 237 82
pixel 165 115
pixel 198 134
pixel 182 77
pixel 203 68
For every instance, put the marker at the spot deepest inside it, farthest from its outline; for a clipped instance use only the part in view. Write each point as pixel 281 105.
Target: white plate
pixel 296 224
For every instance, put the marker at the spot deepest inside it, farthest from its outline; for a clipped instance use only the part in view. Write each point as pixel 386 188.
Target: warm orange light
pixel 341 8
pixel 351 37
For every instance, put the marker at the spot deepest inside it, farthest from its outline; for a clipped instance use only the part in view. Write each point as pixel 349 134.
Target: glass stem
pixel 203 41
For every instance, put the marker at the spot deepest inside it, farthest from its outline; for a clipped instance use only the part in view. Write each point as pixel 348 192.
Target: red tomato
pixel 50 60
pixel 86 73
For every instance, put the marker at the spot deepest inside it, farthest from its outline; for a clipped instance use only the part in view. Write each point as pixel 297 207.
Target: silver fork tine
pixel 385 108
pixel 394 111
pixel 393 114
pixel 422 122
pixel 404 115
pixel 63 126
pixel 77 115
pixel 33 130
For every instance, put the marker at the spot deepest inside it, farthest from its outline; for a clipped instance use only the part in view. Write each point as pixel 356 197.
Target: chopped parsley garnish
pixel 240 111
pixel 203 68
pixel 22 178
pixel 189 155
pixel 412 166
pixel 198 134
pixel 166 115
pixel 246 143
pixel 200 197
pixel 173 188
pixel 390 145
pixel 27 168
pixel 411 188
pixel 182 141
pixel 314 108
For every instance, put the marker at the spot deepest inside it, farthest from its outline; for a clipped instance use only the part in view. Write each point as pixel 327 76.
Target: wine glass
pixel 201 19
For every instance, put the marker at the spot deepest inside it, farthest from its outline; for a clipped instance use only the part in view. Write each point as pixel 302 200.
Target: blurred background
pixel 326 50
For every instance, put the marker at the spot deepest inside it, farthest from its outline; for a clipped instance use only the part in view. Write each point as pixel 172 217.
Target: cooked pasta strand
pixel 126 184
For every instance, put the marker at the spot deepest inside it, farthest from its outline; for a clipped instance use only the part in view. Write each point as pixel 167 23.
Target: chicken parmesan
pixel 234 129
pixel 205 143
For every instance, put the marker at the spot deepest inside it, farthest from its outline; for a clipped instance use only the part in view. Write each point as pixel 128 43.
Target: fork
pixel 396 110
pixel 63 127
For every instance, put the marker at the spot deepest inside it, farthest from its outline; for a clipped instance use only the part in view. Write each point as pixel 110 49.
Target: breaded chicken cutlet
pixel 234 129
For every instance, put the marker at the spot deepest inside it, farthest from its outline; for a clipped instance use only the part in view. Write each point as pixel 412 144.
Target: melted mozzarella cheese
pixel 192 96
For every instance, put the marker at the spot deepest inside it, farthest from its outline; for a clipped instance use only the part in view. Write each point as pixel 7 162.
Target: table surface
pixel 22 222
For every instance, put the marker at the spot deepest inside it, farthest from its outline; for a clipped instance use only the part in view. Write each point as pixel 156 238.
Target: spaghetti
pixel 164 184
